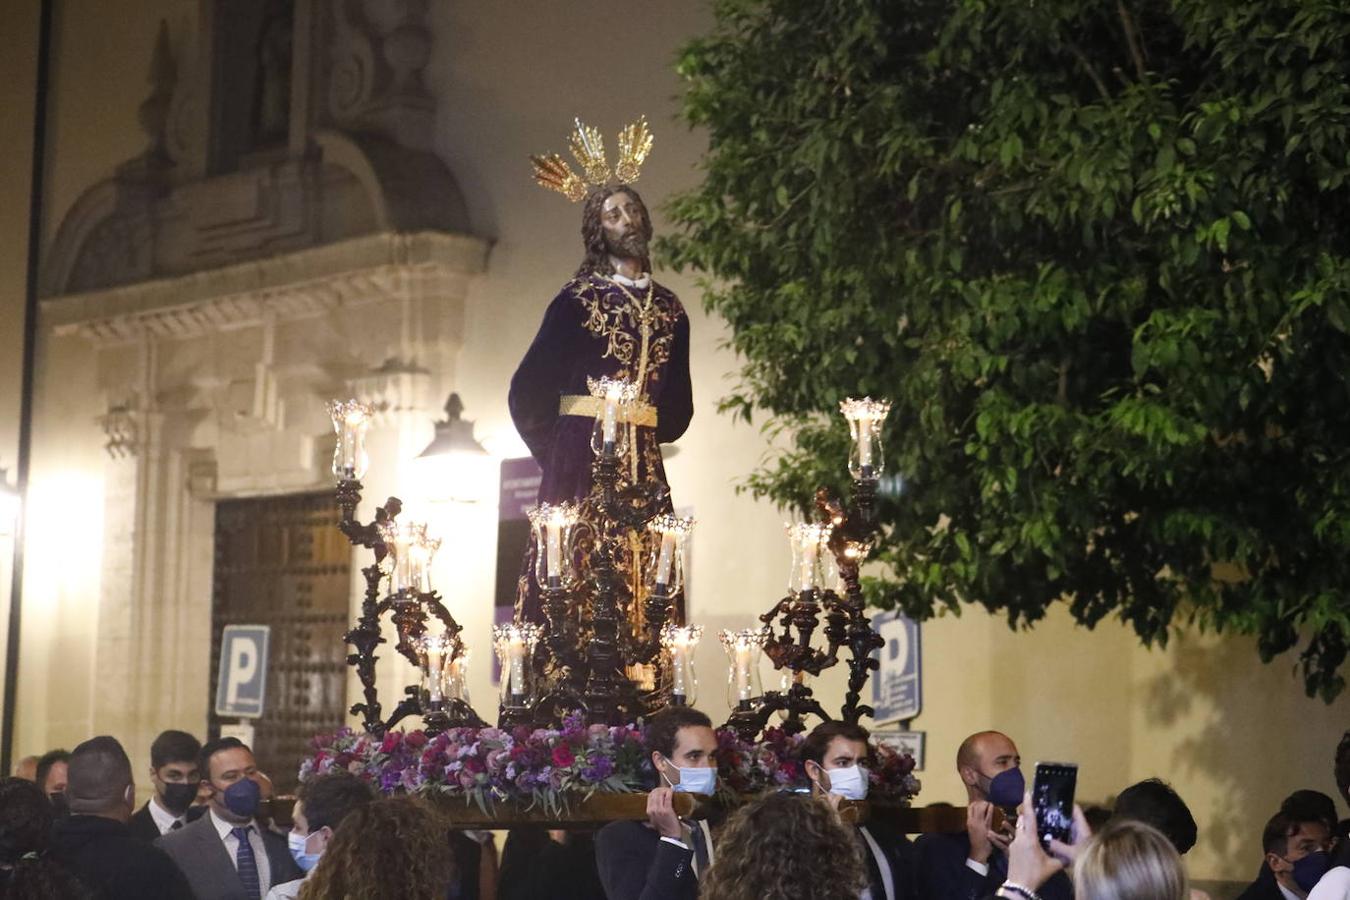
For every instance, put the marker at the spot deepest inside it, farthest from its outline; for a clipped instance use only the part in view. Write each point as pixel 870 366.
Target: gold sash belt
pixel 639 413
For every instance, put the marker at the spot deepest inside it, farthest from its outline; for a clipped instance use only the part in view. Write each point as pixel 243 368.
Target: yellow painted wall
pixel 1233 735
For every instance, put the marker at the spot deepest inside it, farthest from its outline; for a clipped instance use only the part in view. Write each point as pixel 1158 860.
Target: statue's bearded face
pixel 624 221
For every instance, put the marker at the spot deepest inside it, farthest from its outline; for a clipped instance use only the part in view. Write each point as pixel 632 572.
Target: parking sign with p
pixel 242 684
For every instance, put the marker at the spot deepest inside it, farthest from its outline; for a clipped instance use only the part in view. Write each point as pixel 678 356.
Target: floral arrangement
pixel 550 767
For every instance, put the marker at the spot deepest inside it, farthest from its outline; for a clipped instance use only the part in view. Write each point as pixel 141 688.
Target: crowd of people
pixel 70 828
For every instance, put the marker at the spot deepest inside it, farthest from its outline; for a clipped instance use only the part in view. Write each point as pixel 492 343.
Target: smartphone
pixel 1052 801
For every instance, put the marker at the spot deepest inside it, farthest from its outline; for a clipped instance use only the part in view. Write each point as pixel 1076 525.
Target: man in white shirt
pixel 321 805
pixel 173 772
pixel 225 854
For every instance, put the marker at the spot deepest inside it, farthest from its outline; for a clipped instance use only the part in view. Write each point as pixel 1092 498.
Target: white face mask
pixel 694 781
pixel 849 783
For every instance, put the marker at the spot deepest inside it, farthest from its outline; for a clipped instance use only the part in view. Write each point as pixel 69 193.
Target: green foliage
pixel 1096 253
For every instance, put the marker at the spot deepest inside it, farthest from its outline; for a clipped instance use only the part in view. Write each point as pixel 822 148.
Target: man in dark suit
pixel 173 772
pixel 661 859
pixel 93 841
pixel 224 853
pixel 835 755
pixel 1288 839
pixel 972 865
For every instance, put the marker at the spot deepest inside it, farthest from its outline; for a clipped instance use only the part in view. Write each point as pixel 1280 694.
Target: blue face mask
pixel 695 781
pixel 1310 869
pixel 297 843
pixel 1007 788
pixel 242 797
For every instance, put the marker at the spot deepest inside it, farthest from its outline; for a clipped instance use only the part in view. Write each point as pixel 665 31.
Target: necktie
pixel 246 863
pixel 177 824
pixel 700 848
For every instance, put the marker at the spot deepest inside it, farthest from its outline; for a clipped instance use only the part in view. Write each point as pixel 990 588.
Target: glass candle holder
pixel 455 677
pixel 664 572
pixel 408 563
pixel 865 418
pixel 679 643
pixel 351 420
pixel 433 650
pixel 552 526
pixel 743 650
pixel 608 436
pixel 514 644
pixel 812 562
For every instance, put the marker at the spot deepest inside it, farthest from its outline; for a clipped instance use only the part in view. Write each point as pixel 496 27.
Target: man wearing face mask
pixel 321 805
pixel 94 842
pixel 662 858
pixel 173 772
pixel 835 755
pixel 225 854
pixel 1295 847
pixel 973 864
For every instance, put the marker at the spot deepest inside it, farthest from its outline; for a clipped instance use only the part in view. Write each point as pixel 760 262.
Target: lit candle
pixel 865 446
pixel 808 572
pixel 552 525
pixel 742 671
pixel 556 521
pixel 515 643
pixel 664 568
pixel 613 393
pixel 515 650
pixel 806 539
pixel 435 650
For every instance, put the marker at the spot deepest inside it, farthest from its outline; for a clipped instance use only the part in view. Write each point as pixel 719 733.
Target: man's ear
pixel 1277 863
pixel 969 776
pixel 816 772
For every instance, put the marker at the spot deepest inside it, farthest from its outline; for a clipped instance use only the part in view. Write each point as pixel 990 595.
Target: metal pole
pixel 30 318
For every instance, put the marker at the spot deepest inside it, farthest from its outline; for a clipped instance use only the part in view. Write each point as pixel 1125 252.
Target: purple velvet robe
pixel 595 328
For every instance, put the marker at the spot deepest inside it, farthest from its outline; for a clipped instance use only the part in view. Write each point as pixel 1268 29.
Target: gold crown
pixel 588 149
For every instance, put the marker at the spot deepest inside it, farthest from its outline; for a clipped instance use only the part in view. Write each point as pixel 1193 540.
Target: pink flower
pixel 416 739
pixel 562 756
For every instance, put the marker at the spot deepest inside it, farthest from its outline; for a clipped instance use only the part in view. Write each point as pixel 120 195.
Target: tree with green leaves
pixel 1097 253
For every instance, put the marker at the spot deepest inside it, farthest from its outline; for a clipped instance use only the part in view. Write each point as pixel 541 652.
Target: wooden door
pixel 281 562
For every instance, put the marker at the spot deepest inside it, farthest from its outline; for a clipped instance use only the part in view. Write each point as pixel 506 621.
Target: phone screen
pixel 1052 800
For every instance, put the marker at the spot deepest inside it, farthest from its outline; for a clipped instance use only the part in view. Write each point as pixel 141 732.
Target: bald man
pixel 972 864
pixel 94 841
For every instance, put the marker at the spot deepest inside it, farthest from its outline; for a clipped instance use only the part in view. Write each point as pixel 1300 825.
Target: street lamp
pixel 451 464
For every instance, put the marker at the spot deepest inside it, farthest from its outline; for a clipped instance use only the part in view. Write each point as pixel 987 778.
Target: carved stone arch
pixel 93 208
pixel 409 190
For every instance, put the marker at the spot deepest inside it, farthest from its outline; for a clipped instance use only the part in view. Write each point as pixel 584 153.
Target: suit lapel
pixel 216 863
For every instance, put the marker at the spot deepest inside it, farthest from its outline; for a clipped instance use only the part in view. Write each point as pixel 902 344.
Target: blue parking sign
pixel 242 685
pixel 897 687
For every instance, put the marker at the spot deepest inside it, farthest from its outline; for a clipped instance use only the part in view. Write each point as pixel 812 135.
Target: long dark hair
pixel 25 843
pixel 773 847
pixel 593 232
pixel 393 847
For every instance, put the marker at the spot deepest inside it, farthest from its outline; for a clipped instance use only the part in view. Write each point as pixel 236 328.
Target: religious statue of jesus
pixel 611 320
